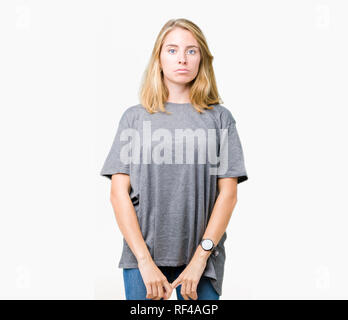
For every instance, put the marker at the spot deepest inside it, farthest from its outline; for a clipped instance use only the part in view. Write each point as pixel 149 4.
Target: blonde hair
pixel 203 89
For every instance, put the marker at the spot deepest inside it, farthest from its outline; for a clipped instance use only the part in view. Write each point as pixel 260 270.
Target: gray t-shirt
pixel 173 189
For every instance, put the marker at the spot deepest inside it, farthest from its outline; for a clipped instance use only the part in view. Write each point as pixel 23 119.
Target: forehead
pixel 180 37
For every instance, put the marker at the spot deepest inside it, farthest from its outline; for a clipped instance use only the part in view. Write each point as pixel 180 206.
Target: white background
pixel 69 69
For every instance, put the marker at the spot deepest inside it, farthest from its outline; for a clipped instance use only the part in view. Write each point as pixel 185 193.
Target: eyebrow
pixel 174 45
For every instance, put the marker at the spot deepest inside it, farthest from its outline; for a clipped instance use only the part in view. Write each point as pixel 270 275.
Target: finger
pixel 154 291
pixel 183 290
pixel 188 287
pixel 176 282
pixel 168 290
pixel 149 291
pixel 160 290
pixel 194 290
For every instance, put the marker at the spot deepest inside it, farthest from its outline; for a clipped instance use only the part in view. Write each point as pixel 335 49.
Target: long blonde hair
pixel 203 90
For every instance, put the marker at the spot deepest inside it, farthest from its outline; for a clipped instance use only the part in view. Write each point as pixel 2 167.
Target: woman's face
pixel 180 50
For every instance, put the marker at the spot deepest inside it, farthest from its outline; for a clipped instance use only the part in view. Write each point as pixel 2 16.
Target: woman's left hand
pixel 190 277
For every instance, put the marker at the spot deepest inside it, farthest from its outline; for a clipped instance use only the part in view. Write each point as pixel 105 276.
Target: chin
pixel 183 79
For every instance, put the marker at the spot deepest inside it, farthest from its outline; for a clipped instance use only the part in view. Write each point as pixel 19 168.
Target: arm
pixel 157 285
pixel 216 227
pixel 126 216
pixel 221 214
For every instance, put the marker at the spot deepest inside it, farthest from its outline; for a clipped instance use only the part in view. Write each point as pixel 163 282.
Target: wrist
pixel 144 259
pixel 202 254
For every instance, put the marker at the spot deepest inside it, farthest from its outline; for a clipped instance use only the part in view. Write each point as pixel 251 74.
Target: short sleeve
pixel 113 163
pixel 231 151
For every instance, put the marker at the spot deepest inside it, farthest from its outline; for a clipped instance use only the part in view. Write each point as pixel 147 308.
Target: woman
pixel 173 197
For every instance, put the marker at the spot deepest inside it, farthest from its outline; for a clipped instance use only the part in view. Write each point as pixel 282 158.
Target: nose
pixel 182 58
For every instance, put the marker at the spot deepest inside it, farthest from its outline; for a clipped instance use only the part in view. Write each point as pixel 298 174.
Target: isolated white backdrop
pixel 68 71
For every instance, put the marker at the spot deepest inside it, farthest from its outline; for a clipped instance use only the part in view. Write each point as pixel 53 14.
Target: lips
pixel 183 70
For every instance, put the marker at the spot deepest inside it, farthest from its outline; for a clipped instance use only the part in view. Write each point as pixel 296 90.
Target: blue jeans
pixel 135 288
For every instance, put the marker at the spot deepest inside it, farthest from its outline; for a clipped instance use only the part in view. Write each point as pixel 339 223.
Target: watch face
pixel 207 244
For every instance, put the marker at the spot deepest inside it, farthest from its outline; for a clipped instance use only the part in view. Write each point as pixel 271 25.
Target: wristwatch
pixel 208 245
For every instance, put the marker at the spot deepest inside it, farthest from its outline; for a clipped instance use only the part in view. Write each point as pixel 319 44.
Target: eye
pixel 170 50
pixel 193 50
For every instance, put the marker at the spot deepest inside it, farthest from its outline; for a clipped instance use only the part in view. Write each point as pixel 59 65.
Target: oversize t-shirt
pixel 174 162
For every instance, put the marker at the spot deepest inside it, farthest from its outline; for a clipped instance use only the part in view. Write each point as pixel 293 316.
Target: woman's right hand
pixel 156 283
